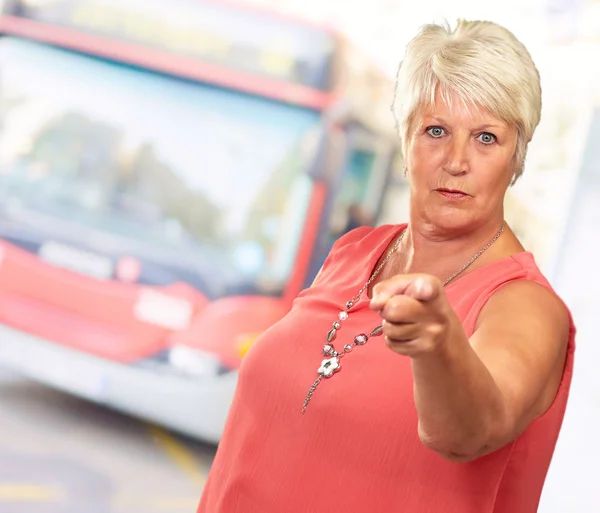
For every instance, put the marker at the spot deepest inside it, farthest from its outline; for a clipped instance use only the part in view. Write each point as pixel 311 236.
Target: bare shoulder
pixel 522 336
pixel 528 304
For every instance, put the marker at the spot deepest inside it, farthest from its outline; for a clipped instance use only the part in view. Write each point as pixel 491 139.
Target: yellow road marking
pixel 179 454
pixel 30 492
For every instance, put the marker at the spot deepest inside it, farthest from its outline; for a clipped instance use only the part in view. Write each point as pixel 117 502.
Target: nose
pixel 457 159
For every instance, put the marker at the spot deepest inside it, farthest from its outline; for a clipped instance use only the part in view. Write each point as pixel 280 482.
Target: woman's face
pixel 460 163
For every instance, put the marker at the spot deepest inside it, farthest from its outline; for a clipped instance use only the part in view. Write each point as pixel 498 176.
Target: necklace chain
pixel 474 257
pixel 446 281
pixel 331 365
pixel 375 273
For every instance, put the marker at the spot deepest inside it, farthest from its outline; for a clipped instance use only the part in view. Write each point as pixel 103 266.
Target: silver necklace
pixel 332 365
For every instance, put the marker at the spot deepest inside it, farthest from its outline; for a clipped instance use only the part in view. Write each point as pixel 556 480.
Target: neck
pixel 427 249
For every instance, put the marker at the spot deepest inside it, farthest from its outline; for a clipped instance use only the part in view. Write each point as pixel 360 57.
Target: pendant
pixel 329 367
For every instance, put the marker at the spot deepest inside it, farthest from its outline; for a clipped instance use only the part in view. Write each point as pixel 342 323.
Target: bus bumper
pixel 196 407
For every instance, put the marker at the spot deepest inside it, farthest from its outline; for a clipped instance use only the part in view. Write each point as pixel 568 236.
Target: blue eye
pixel 486 138
pixel 435 131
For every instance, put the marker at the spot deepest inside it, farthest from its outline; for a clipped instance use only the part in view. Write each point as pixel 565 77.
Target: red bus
pixel 172 174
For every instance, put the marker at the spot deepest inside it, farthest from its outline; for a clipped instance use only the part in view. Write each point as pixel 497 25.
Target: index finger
pixel 418 286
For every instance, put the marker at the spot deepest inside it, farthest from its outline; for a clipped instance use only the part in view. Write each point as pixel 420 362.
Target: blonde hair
pixel 481 63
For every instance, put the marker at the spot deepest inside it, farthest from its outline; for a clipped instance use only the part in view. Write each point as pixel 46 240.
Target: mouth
pixel 453 194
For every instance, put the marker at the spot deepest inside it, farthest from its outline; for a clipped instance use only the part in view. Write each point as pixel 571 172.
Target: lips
pixel 452 193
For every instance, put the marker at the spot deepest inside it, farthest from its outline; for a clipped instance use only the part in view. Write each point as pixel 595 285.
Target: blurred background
pixel 173 173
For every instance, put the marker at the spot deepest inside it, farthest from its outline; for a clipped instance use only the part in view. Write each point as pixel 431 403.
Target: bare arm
pixel 474 396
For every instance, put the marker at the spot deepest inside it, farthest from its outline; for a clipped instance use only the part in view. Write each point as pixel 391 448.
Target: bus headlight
pixel 195 362
pixel 244 342
pixel 163 310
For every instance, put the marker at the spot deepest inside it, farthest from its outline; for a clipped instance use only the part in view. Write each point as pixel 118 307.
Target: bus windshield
pixel 208 185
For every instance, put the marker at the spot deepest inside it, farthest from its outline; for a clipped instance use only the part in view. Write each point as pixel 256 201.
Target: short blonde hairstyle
pixel 480 62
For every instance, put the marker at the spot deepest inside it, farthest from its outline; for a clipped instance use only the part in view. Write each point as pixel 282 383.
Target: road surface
pixel 61 454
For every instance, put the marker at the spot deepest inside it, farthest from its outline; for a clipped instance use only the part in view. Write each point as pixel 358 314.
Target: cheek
pixel 420 182
pixel 491 171
pixel 498 178
pixel 426 157
pixel 490 190
pixel 422 164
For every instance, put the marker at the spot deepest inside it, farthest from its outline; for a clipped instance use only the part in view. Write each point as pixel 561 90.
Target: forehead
pixel 451 108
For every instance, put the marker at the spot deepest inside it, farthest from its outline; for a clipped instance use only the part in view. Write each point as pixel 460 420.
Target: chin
pixel 452 221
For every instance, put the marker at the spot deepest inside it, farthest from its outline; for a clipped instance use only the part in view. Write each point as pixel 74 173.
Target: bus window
pixel 197 180
pixel 351 206
pixel 359 193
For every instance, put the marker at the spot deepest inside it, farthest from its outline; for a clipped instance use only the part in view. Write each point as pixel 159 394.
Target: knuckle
pixel 396 308
pixel 429 347
pixel 393 307
pixel 435 329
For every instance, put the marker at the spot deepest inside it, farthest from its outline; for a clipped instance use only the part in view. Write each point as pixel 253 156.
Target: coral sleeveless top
pixel 356 449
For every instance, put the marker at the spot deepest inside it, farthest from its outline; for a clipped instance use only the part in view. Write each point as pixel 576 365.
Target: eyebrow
pixel 442 121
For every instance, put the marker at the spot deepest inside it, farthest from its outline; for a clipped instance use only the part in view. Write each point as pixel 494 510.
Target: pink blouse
pixel 356 449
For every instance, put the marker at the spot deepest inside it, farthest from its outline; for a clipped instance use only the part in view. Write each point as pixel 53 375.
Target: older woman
pixel 428 367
